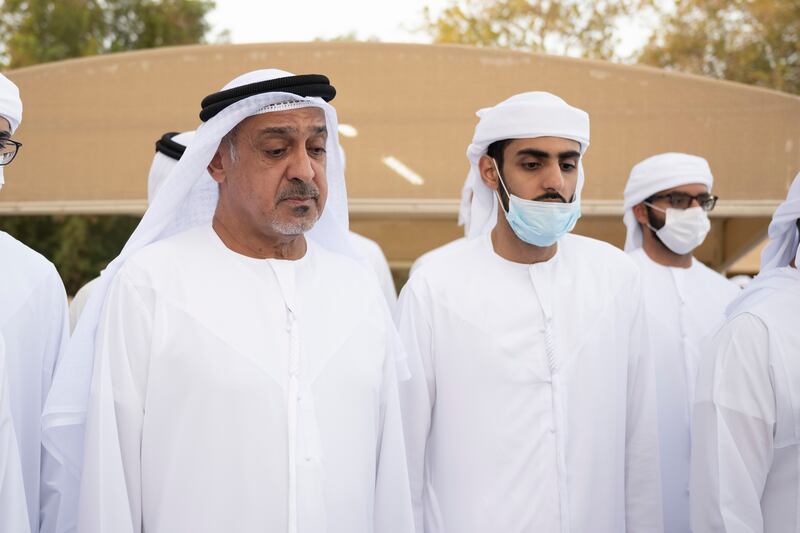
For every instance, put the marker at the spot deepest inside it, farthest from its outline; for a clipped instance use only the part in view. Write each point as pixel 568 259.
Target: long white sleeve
pixel 110 498
pixel 643 502
pixel 13 508
pixel 392 495
pixel 417 394
pixel 57 493
pixel 373 255
pixel 732 430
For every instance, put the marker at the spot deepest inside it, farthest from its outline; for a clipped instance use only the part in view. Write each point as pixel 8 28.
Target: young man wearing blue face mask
pixel 531 405
pixel 667 199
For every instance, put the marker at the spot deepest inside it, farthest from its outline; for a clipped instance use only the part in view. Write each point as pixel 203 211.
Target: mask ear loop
pixel 502 182
pixel 648 204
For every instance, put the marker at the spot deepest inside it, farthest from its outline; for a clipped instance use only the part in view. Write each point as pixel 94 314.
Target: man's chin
pixel 294 225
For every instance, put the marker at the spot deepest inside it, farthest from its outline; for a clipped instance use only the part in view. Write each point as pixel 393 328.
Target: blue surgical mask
pixel 539 223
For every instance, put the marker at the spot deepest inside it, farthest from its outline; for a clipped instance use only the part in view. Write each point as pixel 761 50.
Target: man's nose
pixel 300 166
pixel 553 178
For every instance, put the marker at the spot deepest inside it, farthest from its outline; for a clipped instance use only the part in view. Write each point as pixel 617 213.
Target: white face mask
pixel 684 229
pixel 2 179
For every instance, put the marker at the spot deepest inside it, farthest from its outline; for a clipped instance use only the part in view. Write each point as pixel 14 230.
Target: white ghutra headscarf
pixel 163 163
pixel 784 245
pixel 10 103
pixel 783 235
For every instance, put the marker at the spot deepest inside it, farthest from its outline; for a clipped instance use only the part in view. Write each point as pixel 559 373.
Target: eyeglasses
pixel 682 200
pixel 8 151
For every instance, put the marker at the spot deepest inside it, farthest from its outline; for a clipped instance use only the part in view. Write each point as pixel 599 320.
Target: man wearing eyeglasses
pixel 34 325
pixel 667 200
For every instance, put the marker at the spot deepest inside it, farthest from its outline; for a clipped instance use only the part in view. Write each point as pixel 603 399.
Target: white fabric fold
pixel 745 473
pixel 655 174
pixel 783 235
pixel 162 165
pixel 202 199
pixel 372 256
pixel 13 510
pixel 34 324
pixel 523 116
pixel 10 103
pixel 682 308
pixel 782 248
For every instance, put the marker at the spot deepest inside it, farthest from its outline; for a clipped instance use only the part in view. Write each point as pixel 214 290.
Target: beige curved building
pixel 408 112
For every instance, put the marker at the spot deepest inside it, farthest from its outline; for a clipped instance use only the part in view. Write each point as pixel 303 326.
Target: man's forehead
pixel 689 188
pixel 292 119
pixel 552 145
pixel 5 125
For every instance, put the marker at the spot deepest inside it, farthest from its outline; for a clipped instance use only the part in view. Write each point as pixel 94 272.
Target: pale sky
pixel 251 21
pixel 305 20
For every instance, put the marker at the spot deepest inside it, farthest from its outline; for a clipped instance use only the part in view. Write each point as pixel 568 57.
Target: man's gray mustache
pixel 304 192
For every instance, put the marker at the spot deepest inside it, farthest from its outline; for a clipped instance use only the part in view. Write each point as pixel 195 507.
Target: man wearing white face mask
pixel 531 405
pixel 666 200
pixel 745 474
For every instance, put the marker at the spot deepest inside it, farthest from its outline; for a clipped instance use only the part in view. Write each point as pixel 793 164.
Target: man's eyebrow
pixel 289 130
pixel 277 130
pixel 5 134
pixel 569 154
pixel 533 152
pixel 541 154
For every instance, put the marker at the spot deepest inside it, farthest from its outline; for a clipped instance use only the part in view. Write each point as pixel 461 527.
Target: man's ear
pixel 217 165
pixel 640 212
pixel 488 172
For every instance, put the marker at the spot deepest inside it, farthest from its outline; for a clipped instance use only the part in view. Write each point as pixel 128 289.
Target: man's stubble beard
pixel 304 224
pixel 294 227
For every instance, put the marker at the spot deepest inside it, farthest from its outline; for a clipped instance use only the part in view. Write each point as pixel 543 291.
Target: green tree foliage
pixel 80 246
pixel 568 27
pixel 750 41
pixel 150 24
pixel 37 31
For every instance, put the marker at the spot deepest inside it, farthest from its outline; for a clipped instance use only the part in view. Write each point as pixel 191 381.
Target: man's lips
pixel 555 199
pixel 299 200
